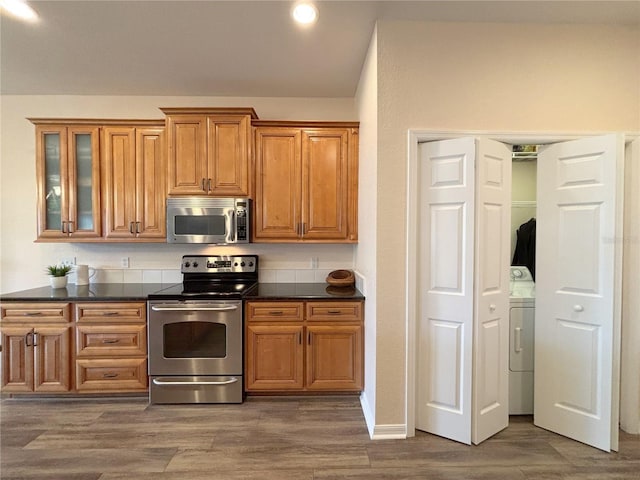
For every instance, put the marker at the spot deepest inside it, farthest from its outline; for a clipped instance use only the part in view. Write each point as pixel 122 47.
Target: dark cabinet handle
pixel 70 230
pixel 209 185
pixel 203 185
pixel 33 339
pixel 276 312
pixel 62 228
pixel 109 314
pixel 334 312
pixel 111 340
pixel 109 375
pixel 32 314
pixel 138 227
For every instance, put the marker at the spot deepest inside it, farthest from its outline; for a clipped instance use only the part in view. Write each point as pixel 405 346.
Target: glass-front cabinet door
pixel 68 173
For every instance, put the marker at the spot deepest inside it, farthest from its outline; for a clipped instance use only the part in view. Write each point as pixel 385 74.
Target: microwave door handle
pixel 233 232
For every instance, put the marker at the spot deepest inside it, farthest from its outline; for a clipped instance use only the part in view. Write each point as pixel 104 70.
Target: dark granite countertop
pixel 97 292
pixel 302 291
pixel 93 292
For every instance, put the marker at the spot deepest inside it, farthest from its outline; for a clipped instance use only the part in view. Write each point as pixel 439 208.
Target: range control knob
pixel 195 264
pixel 187 264
pixel 235 264
pixel 242 264
pixel 251 264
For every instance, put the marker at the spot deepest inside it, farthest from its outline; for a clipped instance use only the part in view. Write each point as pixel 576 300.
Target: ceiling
pixel 231 48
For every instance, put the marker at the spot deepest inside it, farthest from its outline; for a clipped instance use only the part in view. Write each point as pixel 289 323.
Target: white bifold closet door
pixel 463 263
pixel 578 279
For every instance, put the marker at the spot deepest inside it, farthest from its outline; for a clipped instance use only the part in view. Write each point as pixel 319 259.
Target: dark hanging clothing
pixel 525 252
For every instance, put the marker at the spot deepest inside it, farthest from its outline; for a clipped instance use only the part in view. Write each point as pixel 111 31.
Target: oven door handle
pixel 193 308
pixel 160 381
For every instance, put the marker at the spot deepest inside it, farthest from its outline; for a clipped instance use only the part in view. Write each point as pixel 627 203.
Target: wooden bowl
pixel 341 278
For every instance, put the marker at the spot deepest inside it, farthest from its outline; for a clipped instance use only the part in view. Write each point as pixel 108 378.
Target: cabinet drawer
pixel 35 312
pixel 109 375
pixel 275 311
pixel 112 312
pixel 334 311
pixel 111 340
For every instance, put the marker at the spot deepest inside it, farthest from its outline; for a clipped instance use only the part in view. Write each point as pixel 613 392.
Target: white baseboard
pixel 380 432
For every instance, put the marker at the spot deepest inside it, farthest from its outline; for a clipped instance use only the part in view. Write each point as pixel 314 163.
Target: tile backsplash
pixel 267 275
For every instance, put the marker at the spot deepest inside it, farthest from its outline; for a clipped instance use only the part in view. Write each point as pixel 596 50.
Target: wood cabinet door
pixel 150 215
pixel 325 185
pixel 83 182
pixel 228 140
pixel 334 358
pixel 274 358
pixel 187 144
pixel 52 362
pixel 17 359
pixel 119 176
pixel 277 204
pixel 51 174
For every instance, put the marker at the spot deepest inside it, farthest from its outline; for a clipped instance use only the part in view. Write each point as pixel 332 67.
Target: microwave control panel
pixel 242 232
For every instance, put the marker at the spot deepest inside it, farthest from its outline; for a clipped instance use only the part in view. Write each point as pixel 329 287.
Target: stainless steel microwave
pixel 208 220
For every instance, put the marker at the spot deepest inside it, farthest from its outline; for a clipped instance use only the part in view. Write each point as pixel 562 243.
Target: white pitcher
pixel 83 274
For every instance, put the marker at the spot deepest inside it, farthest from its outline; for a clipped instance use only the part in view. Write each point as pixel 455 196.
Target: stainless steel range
pixel 195 331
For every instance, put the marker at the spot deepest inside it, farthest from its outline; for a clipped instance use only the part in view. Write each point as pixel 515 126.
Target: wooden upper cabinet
pixel 325 176
pixel 68 180
pixel 209 151
pixel 187 144
pixel 306 182
pixel 133 165
pixel 278 184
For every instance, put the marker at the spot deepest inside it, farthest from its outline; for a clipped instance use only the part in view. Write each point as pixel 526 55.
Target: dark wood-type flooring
pixel 273 439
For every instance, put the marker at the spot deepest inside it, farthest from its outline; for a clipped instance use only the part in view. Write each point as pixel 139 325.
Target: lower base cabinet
pixel 299 347
pixel 36 347
pixel 111 347
pixel 61 347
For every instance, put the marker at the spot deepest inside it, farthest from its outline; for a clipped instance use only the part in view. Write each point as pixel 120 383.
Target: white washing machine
pixel 521 323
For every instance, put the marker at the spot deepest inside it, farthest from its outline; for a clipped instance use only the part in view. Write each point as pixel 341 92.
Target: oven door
pixel 195 352
pixel 195 338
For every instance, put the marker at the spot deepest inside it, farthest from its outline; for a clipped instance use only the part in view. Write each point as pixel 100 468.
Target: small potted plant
pixel 58 275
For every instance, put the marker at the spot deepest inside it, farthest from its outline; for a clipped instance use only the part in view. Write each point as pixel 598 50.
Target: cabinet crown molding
pixel 210 111
pixel 303 124
pixel 99 122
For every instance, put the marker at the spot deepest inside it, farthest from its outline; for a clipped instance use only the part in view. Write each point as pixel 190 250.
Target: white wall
pixel 488 77
pixel 365 259
pixel 22 261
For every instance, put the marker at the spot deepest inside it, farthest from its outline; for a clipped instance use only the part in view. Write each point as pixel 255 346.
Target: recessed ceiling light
pixel 305 13
pixel 19 9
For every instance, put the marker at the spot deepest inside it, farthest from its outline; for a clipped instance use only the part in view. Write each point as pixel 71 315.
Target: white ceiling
pixel 232 48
